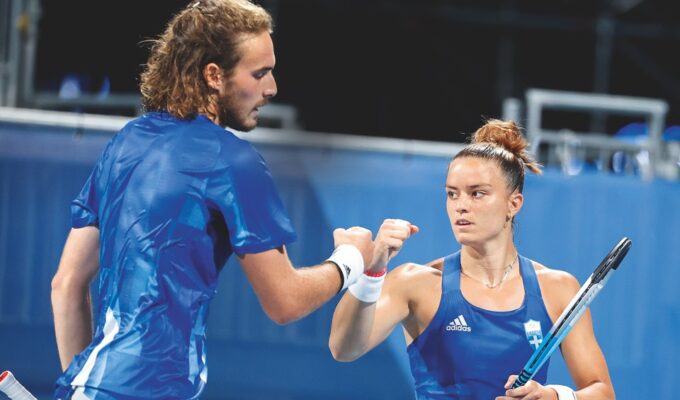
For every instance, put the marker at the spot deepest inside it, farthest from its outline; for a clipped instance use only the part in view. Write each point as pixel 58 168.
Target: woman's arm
pixel 580 349
pixel 582 353
pixel 358 325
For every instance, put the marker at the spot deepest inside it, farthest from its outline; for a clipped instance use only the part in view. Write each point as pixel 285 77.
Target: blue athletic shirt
pixel 467 352
pixel 172 200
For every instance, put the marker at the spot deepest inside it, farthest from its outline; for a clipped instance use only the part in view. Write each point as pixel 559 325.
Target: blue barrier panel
pixel 567 222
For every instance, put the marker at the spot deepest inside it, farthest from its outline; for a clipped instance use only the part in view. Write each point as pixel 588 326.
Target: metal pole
pixel 603 55
pixel 30 45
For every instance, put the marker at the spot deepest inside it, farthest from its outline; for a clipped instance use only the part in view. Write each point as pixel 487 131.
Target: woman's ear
pixel 515 203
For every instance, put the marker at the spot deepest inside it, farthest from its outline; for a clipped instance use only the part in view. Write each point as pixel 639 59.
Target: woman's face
pixel 478 200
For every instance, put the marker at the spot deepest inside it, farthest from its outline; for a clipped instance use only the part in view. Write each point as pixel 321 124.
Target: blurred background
pixel 375 97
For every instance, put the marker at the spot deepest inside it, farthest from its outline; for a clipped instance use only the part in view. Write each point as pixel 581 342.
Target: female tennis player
pixel 473 318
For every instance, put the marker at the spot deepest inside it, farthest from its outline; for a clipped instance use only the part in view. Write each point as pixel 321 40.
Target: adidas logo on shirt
pixel 458 324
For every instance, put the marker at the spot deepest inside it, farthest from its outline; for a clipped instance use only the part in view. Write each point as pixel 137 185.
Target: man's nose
pixel 270 89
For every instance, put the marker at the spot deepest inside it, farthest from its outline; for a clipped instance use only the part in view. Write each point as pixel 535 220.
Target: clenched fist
pixel 358 237
pixel 389 240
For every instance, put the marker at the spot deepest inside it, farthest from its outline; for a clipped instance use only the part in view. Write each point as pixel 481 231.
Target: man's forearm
pixel 304 291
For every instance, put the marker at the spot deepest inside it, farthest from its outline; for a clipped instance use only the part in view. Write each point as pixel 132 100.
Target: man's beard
pixel 229 117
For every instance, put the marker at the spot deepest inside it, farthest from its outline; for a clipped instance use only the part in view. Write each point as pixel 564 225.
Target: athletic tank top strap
pixel 451 274
pixel 531 287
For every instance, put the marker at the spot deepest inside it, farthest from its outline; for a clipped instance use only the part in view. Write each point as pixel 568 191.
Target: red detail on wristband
pixel 4 375
pixel 377 274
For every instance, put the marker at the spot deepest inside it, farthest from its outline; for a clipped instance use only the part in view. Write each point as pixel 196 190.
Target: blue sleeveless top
pixel 468 352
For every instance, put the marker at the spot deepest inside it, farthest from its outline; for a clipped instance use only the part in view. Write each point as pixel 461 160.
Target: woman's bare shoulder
pixel 553 276
pixel 412 270
pixel 558 287
pixel 412 275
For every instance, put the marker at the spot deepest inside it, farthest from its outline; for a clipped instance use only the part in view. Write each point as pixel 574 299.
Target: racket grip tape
pixel 522 379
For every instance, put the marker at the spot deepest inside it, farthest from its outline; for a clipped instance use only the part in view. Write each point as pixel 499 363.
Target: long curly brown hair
pixel 502 142
pixel 206 31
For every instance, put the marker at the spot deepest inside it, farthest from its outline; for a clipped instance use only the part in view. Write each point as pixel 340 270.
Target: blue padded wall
pixel 567 222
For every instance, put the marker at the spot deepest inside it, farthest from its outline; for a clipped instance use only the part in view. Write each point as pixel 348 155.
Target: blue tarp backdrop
pixel 568 223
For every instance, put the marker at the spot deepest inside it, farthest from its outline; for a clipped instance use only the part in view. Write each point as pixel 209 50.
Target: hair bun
pixel 507 135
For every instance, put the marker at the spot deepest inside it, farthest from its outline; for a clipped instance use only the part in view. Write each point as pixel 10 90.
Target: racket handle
pixel 12 388
pixel 522 379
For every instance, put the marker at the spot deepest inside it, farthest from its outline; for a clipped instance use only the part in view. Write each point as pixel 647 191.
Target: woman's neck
pixel 490 265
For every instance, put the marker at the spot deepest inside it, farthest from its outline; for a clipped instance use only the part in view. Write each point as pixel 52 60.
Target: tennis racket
pixel 574 311
pixel 12 388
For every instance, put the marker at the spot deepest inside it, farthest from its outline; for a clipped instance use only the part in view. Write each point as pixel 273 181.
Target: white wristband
pixel 367 288
pixel 349 261
pixel 563 392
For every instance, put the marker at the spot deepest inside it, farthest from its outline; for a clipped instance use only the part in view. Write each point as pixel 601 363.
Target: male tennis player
pixel 171 198
pixel 473 318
